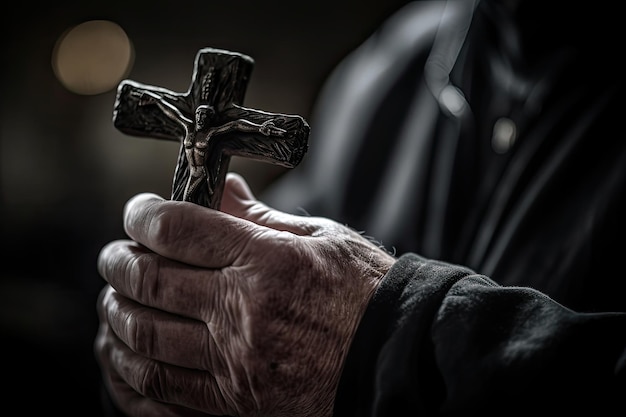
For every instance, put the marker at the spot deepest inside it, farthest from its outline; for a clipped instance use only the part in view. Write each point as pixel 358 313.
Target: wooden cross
pixel 210 124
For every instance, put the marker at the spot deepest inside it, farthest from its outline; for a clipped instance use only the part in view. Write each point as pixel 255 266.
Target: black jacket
pixel 491 143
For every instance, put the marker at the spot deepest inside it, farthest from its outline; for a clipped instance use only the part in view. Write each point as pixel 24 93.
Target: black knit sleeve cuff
pixel 391 353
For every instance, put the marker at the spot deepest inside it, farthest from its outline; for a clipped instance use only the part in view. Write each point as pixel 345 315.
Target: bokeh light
pixel 92 57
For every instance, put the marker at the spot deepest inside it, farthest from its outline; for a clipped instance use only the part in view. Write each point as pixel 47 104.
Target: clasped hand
pixel 246 311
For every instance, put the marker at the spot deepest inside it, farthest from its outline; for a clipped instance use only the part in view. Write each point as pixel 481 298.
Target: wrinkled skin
pixel 244 312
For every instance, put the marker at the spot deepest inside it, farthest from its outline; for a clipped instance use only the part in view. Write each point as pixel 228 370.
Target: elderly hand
pixel 244 312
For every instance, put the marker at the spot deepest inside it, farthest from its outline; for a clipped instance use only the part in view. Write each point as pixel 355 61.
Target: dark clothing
pixel 438 339
pixel 495 141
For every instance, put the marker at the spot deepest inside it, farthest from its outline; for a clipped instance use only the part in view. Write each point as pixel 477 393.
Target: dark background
pixel 66 172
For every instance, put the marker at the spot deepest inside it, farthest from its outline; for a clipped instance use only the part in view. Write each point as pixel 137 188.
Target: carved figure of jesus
pixel 198 133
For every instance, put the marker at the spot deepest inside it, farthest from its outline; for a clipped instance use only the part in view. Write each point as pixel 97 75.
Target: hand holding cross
pixel 210 124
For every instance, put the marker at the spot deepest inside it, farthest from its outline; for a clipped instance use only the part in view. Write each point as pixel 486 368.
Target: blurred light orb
pixel 92 57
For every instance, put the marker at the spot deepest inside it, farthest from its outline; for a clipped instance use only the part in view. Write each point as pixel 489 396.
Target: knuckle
pixel 140 333
pixel 151 382
pixel 163 227
pixel 143 269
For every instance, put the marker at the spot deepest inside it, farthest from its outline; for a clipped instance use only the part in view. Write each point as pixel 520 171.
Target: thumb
pixel 238 200
pixel 237 197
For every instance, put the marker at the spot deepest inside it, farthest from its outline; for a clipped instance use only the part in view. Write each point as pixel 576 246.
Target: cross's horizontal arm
pixel 132 117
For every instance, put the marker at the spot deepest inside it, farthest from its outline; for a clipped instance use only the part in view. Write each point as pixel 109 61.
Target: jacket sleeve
pixel 439 339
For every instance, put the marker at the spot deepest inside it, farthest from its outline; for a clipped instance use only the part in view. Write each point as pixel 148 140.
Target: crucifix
pixel 211 124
